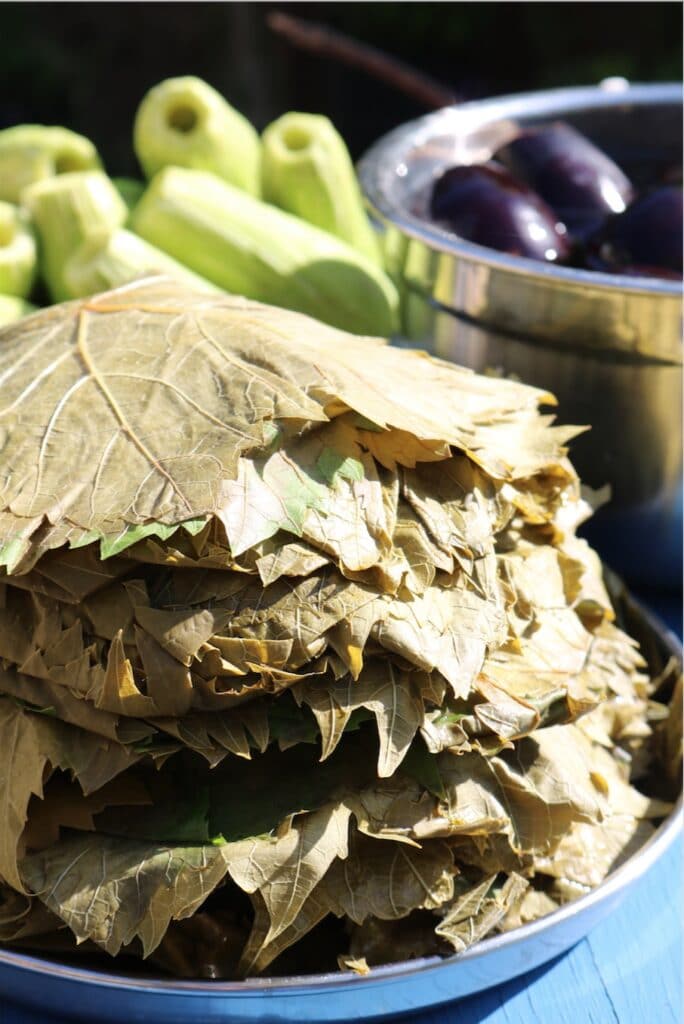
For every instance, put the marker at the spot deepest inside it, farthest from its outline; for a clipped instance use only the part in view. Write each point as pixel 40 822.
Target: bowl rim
pixel 386 158
pixel 613 886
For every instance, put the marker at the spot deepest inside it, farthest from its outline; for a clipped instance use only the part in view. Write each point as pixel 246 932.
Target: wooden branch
pixel 328 42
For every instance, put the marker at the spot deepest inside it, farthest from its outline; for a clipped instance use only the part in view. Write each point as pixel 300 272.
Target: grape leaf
pixel 31 747
pixel 162 392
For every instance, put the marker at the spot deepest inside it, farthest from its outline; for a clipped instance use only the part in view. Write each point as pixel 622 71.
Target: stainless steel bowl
pixel 608 346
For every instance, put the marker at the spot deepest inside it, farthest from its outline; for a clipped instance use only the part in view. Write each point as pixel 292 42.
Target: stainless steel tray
pixel 387 992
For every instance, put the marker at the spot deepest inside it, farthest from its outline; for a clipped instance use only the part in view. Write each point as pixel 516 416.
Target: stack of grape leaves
pixel 301 661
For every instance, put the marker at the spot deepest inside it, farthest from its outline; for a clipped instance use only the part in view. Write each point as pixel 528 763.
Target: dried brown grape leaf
pixel 442 729
pixel 547 782
pixel 549 658
pixel 400 448
pixel 287 868
pixel 16 625
pixel 181 633
pixel 490 854
pixel 116 690
pixel 73 573
pixel 322 487
pixel 244 652
pixel 479 910
pixel 259 951
pixel 215 734
pixel 391 695
pixel 388 880
pixel 385 880
pixel 62 703
pixel 331 717
pixel 297 611
pixel 617 720
pixel 384 385
pixel 670 732
pixel 112 890
pixel 521 448
pixel 536 573
pixel 611 778
pixel 615 664
pixel 168 682
pixel 112 609
pixel 531 794
pixel 457 503
pixel 506 716
pixel 63 805
pixel 535 904
pixel 590 851
pixel 445 628
pixel 349 637
pixel 31 747
pixel 161 390
pixel 393 809
pixel 357 964
pixel 294 558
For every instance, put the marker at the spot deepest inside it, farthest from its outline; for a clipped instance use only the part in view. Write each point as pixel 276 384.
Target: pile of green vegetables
pixel 279 218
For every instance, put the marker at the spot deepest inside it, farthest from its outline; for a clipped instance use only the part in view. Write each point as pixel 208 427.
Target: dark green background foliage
pixel 87 65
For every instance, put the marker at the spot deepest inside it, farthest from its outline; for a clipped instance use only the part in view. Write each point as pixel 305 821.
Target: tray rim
pixel 614 886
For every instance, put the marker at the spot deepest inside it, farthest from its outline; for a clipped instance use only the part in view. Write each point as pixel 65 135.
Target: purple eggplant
pixel 579 182
pixel 483 203
pixel 644 240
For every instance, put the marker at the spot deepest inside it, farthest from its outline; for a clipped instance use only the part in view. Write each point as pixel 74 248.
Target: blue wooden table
pixel 627 971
